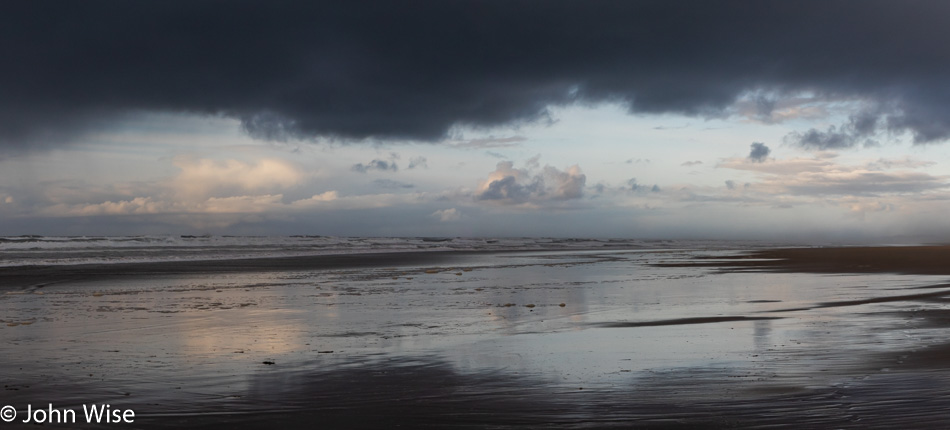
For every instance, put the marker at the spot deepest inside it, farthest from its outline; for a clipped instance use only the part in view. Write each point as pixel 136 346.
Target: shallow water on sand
pixel 544 338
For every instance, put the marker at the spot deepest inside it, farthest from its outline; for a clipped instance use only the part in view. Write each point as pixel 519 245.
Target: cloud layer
pixel 384 70
pixel 882 185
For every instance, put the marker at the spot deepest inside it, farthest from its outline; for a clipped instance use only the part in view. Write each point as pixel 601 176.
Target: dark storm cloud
pixel 633 185
pixel 383 69
pixel 419 162
pixel 764 107
pixel 391 184
pixel 861 128
pixel 816 139
pixel 759 152
pixel 381 165
pixel 508 188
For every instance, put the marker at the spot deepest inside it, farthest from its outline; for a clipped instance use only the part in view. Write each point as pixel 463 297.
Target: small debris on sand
pixel 432 271
pixel 529 305
pixel 268 362
pixel 458 274
pixel 324 352
pixel 562 305
pixel 97 294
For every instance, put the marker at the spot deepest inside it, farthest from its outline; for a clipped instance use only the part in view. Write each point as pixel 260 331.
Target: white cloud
pixel 820 176
pixel 241 204
pixel 233 209
pixel 136 206
pixel 447 215
pixel 529 187
pixel 317 199
pixel 202 178
pixel 781 167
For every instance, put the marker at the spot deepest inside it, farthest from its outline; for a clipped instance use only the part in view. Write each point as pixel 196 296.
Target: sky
pixel 770 120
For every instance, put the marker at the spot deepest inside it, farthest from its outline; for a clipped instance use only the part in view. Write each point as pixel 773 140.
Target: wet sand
pixel 596 339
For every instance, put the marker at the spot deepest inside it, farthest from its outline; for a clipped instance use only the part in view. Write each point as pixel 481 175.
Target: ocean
pixel 58 250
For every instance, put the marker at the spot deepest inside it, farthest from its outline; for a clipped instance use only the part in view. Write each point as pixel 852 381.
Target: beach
pixel 475 215
pixel 666 336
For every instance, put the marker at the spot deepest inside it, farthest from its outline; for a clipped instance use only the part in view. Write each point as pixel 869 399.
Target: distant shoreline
pixel 916 260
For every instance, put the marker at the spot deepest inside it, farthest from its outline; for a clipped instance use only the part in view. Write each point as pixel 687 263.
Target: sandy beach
pixel 639 338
